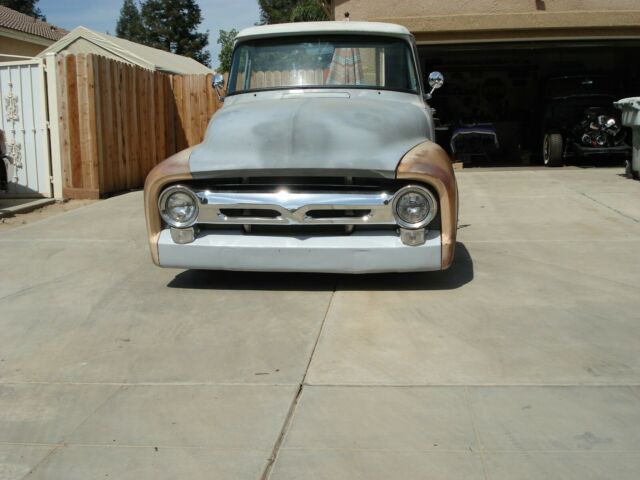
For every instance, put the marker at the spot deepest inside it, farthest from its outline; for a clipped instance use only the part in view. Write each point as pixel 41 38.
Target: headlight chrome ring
pixel 178 206
pixel 414 201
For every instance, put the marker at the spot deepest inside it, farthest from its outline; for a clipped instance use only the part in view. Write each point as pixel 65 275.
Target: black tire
pixel 552 150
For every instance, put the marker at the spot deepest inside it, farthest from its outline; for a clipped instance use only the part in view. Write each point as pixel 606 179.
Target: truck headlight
pixel 178 207
pixel 414 206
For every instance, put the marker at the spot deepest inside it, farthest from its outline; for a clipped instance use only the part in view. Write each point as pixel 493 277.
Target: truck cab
pixel 321 160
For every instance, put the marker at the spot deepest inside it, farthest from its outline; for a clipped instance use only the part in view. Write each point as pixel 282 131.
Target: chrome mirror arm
pixel 435 80
pixel 218 84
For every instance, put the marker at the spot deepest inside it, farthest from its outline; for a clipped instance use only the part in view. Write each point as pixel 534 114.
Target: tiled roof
pixel 14 20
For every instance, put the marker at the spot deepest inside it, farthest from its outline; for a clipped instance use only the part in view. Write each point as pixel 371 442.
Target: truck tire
pixel 552 150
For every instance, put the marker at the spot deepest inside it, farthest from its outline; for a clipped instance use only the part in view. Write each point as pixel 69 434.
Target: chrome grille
pixel 284 207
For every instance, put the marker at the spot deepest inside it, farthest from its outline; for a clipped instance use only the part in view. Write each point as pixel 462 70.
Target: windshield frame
pixel 332 37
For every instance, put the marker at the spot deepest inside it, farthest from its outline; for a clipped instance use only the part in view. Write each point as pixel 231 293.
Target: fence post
pixel 54 123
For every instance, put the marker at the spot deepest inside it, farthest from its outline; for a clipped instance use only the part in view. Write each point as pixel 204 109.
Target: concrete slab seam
pixel 475 385
pixel 63 444
pixel 291 414
pixel 476 432
pixel 138 446
pixel 609 207
pixel 45 458
pixel 39 285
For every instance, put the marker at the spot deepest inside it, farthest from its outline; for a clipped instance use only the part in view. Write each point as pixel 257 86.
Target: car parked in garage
pixel 322 160
pixel 580 119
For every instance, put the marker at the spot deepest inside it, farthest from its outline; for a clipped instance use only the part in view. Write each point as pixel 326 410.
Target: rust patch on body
pixel 173 169
pixel 429 163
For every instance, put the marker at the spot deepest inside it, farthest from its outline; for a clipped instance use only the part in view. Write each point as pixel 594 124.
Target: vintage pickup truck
pixel 321 160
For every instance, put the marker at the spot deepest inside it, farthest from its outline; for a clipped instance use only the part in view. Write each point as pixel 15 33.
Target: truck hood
pixel 310 136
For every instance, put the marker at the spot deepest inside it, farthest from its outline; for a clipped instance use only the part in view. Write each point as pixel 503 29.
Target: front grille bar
pixel 292 208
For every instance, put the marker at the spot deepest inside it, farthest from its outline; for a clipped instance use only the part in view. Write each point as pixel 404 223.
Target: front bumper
pixel 360 252
pixel 619 151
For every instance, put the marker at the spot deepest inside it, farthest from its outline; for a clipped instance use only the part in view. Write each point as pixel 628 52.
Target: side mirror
pixel 218 85
pixel 218 81
pixel 436 80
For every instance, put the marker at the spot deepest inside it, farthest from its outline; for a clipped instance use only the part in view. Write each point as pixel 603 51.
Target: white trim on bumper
pixel 360 252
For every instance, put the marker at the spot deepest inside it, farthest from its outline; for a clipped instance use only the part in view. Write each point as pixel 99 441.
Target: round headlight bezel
pixel 162 205
pixel 424 192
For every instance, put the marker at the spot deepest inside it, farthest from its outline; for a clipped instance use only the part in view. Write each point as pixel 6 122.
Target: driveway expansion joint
pixel 290 415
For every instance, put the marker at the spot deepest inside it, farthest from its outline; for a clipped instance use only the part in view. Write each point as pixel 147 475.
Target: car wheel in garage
pixel 552 149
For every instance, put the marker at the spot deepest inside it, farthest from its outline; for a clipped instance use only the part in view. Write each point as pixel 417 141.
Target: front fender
pixel 173 169
pixel 429 163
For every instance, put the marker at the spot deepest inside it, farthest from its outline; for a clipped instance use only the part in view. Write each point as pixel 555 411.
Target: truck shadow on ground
pixel 460 273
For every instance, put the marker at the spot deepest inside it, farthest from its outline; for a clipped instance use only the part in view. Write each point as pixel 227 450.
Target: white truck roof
pixel 306 28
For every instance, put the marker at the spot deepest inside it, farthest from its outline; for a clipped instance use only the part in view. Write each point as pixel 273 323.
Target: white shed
pixel 83 40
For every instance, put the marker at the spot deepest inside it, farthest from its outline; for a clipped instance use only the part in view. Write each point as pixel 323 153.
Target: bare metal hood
pixel 311 134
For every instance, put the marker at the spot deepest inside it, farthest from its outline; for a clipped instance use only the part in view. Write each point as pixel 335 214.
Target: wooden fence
pixel 118 121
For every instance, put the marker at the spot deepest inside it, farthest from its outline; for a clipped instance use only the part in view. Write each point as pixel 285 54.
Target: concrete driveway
pixel 521 362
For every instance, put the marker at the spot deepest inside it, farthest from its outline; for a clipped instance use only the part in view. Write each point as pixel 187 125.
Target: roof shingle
pixel 14 20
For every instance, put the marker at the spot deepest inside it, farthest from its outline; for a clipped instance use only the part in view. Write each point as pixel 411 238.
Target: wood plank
pixel 192 109
pixel 125 106
pixel 142 124
pixel 151 121
pixel 181 115
pixel 81 193
pixel 107 125
pixel 93 160
pixel 63 119
pixel 203 104
pixel 73 121
pixel 171 117
pixel 118 160
pixel 100 127
pixel 83 128
pixel 159 117
pixel 134 133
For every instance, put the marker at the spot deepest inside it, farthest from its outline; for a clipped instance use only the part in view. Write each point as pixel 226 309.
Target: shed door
pixel 24 123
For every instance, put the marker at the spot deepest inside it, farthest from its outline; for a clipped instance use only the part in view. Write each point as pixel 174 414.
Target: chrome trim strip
pixel 293 207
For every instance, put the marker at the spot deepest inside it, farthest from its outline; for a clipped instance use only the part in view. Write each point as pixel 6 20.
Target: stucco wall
pixel 12 46
pixel 456 21
pixel 370 9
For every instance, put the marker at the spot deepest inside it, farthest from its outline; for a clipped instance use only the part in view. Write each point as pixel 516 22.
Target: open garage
pixel 507 92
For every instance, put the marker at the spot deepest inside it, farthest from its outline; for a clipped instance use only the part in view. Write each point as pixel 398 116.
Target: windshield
pixel 323 62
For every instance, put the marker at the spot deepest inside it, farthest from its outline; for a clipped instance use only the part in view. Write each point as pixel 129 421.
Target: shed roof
pixel 305 28
pixel 14 20
pixel 130 52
